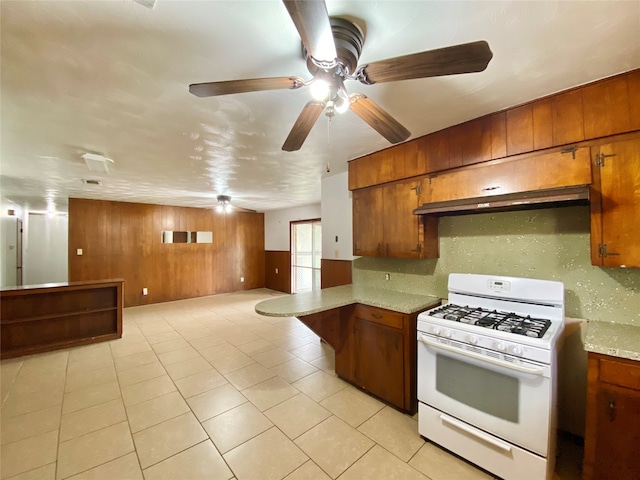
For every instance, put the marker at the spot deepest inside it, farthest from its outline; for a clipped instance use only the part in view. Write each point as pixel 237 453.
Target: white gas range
pixel 487 364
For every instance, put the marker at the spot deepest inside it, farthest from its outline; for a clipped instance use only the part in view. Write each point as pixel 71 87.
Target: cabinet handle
pixel 612 410
pixel 376 315
pixel 489 188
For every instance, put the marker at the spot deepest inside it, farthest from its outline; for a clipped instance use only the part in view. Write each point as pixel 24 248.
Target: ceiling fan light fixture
pixel 224 204
pixel 342 102
pixel 320 89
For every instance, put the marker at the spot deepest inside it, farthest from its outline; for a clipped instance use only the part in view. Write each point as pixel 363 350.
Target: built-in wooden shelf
pixel 39 318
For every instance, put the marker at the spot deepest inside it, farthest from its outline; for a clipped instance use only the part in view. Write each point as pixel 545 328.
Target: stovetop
pixel 493 319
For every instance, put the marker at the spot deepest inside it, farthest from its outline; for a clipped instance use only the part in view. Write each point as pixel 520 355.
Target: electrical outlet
pixel 241 279
pixel 276 271
pixel 387 276
pixel 145 291
pixel 79 251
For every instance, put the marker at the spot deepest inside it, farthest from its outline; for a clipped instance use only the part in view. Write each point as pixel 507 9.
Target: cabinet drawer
pixel 378 315
pixel 622 373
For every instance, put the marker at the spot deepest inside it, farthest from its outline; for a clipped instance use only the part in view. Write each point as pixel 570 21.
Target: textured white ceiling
pixel 111 77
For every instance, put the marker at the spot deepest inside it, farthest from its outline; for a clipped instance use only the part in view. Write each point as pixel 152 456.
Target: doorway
pixel 306 254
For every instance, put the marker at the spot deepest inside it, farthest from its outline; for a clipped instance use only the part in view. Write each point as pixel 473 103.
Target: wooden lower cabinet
pixel 376 350
pixel 380 355
pixel 379 368
pixel 612 431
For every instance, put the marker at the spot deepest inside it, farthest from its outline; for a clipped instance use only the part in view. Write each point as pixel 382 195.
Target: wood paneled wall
pixel 123 240
pixel 334 273
pixel 278 261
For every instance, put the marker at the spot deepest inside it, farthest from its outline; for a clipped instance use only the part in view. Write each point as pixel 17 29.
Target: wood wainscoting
pixel 278 270
pixel 334 273
pixel 124 240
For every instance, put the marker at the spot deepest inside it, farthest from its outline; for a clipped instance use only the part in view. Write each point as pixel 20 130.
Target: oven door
pixel 506 397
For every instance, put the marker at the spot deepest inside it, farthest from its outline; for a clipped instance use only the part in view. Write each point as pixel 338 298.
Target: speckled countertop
pixel 615 339
pixel 334 297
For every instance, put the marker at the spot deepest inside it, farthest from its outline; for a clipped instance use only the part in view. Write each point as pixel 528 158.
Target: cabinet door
pixel 401 226
pixel 617 434
pixel 550 170
pixel 379 364
pixel 368 215
pixel 615 205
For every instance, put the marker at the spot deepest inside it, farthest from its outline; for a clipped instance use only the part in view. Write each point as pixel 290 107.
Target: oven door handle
pixel 519 368
pixel 478 434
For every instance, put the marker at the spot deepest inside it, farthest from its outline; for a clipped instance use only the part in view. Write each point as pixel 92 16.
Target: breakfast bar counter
pixel 308 303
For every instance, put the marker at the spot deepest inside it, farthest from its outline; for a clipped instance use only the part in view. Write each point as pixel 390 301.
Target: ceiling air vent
pixel 92 182
pixel 146 3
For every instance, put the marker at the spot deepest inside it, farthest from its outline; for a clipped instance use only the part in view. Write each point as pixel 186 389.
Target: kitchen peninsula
pixel 373 333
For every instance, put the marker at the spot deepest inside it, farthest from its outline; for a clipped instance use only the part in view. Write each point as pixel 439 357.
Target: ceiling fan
pixel 332 47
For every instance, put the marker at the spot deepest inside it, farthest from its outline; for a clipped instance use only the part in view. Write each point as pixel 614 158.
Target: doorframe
pixel 291 224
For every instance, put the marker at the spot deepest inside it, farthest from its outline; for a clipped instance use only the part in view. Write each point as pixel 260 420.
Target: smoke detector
pixel 97 163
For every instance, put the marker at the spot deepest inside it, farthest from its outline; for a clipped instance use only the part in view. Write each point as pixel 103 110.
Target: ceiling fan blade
pixel 312 22
pixel 464 58
pixel 378 119
pixel 305 122
pixel 211 89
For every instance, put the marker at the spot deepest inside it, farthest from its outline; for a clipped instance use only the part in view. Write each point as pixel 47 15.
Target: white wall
pixel 336 218
pixel 276 224
pixel 8 243
pixel 45 255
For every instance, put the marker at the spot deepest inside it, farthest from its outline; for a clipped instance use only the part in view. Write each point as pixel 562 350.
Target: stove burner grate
pixel 503 321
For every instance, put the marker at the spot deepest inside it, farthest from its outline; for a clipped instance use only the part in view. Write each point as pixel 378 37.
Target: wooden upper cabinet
pixel 455 137
pixel 414 158
pixel 401 226
pixel 615 203
pixel 606 107
pixel 368 211
pixel 550 170
pixel 542 113
pixel 498 135
pixel 476 141
pixel 519 130
pixel 384 224
pixel 567 117
pixel 633 83
pixel 435 147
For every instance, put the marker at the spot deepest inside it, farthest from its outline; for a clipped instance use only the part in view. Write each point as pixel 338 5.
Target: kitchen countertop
pixel 615 339
pixel 307 303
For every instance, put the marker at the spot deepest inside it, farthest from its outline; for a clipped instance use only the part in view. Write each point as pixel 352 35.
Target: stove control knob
pixel 516 350
pixel 436 331
pixel 501 346
pixel 472 339
pixel 446 334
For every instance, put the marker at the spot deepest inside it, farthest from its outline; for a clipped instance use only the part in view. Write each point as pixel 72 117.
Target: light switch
pixel 79 251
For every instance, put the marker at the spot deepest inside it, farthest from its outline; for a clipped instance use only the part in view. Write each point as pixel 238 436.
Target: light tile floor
pixel 207 389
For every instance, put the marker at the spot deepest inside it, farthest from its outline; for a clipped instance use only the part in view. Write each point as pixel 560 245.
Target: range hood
pixel 556 197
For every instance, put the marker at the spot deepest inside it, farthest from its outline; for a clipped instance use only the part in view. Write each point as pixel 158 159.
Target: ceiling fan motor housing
pixel 349 40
